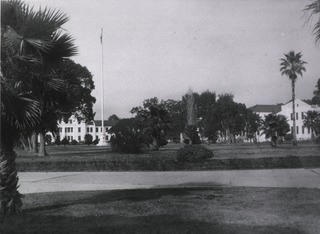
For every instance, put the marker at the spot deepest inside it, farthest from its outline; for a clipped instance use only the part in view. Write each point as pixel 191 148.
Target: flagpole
pixel 102 141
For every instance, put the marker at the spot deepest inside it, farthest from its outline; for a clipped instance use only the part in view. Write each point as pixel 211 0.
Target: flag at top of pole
pixel 101 36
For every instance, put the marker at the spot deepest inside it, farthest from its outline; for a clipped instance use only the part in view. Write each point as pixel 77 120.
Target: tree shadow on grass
pixel 168 224
pixel 98 197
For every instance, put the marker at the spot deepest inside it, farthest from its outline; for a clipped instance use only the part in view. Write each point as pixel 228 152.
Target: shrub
pixel 127 137
pixel 128 142
pixel 74 142
pixel 317 140
pixel 48 139
pixel 288 137
pixel 88 139
pixel 163 141
pixel 57 141
pixel 64 141
pixel 193 153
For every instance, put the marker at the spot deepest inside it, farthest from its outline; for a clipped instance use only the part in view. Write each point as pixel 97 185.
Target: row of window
pixel 303 115
pixel 303 130
pixel 70 138
pixel 97 129
pixel 70 129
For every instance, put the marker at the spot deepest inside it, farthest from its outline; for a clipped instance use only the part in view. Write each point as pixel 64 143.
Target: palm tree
pixel 312 121
pixel 292 66
pixel 314 9
pixel 19 112
pixel 275 126
pixel 31 43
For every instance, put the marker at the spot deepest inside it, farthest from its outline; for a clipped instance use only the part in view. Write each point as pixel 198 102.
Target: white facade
pixel 301 108
pixel 73 130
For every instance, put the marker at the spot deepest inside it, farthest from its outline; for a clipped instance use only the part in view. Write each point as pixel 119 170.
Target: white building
pixel 73 130
pixel 301 109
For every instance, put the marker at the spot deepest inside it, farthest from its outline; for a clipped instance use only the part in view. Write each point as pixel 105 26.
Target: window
pixel 297 129
pixel 79 129
pixel 291 116
pixel 91 129
pixel 302 128
pixel 97 138
pixel 291 130
pixel 97 129
pixel 302 115
pixel 87 129
pixel 297 115
pixel 71 129
pixel 72 138
pixel 107 137
pixel 79 138
pixel 68 137
pixel 70 121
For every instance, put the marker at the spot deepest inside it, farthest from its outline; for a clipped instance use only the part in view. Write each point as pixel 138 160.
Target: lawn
pixel 179 210
pixel 239 156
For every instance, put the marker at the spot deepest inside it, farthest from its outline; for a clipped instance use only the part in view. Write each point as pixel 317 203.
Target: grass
pixel 239 156
pixel 192 210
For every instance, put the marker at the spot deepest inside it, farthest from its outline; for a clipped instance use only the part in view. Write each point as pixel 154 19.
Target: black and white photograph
pixel 160 117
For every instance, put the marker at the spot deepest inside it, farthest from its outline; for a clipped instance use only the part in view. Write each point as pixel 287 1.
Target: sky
pixel 160 48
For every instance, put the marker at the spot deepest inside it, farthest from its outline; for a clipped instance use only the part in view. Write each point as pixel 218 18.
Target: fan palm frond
pixel 311 10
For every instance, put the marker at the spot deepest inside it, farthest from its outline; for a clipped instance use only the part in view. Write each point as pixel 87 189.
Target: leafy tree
pixel 252 124
pixel 316 94
pixel 113 118
pixel 71 96
pixel 205 103
pixel 313 9
pixel 153 119
pixel 127 137
pixel 312 121
pixel 30 42
pixel 231 116
pixel 177 117
pixel 274 127
pixel 292 66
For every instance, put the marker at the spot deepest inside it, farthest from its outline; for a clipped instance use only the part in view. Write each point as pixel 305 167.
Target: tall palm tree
pixel 292 66
pixel 314 9
pixel 31 43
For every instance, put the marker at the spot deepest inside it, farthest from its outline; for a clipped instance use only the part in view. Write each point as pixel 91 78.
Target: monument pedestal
pixel 103 140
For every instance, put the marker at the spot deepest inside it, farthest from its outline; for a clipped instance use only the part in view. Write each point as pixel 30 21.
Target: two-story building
pixel 74 130
pixel 301 108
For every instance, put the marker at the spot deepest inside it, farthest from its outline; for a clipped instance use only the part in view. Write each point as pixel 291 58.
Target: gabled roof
pixel 98 123
pixel 266 108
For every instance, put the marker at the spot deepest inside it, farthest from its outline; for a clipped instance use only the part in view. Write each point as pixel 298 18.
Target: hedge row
pixel 172 165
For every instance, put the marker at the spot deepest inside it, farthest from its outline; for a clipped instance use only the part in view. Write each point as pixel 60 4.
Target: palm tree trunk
pixel 34 143
pixel 42 147
pixel 10 198
pixel 294 133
